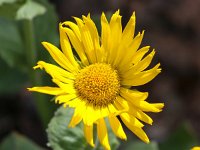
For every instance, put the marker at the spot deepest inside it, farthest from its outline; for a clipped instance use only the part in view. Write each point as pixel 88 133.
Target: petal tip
pixel 29 89
pixel 147 141
pixel 44 43
pixel 36 67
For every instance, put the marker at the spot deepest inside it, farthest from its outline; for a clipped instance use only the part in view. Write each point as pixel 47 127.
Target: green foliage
pixel 139 145
pixel 181 139
pixel 21 9
pixel 8 8
pixel 61 137
pixel 6 1
pixel 11 47
pixel 14 58
pixel 16 141
pixel 30 10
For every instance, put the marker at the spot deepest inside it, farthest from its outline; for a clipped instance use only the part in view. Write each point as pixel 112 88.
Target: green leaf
pixel 7 1
pixel 8 8
pixel 182 139
pixel 16 141
pixel 139 145
pixel 11 47
pixel 63 138
pixel 60 136
pixel 30 10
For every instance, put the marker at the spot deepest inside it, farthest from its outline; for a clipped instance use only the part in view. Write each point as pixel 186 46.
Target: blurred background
pixel 171 27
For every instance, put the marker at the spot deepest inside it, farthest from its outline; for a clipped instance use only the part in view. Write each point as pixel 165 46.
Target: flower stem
pixel 34 76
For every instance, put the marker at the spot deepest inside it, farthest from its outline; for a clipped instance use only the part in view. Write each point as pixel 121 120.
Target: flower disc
pixel 98 84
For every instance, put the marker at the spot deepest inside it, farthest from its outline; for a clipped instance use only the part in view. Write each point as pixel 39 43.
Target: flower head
pixel 100 80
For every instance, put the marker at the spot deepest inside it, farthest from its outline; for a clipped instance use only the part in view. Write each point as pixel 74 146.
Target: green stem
pixel 31 56
pixel 96 137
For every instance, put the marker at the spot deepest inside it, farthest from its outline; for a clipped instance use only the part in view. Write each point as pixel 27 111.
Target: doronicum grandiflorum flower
pixel 100 80
pixel 196 148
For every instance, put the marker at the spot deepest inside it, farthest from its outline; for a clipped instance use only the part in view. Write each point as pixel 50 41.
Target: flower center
pixel 98 84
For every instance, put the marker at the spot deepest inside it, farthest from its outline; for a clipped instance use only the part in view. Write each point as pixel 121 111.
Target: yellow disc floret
pixel 98 84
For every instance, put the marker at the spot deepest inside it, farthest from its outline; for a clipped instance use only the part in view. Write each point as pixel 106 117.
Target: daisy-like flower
pixel 101 81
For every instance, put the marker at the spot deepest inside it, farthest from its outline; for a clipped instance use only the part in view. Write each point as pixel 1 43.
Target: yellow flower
pixel 99 79
pixel 195 148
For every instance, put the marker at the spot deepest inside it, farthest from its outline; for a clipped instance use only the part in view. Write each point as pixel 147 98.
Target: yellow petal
pixel 79 22
pixel 143 64
pixel 135 61
pixel 135 95
pixel 104 112
pixel 141 115
pixel 196 148
pixel 129 30
pixel 147 107
pixel 112 109
pixel 74 28
pixel 133 110
pixel 136 58
pixel 95 37
pixel 78 114
pixel 121 103
pixel 101 55
pixel 117 127
pixel 127 38
pixel 92 115
pixel 68 88
pixel 136 130
pixel 132 79
pixel 65 98
pixel 139 54
pixel 140 103
pixel 131 120
pixel 105 34
pixel 59 57
pixel 74 103
pixel 78 46
pixel 130 52
pixel 116 35
pixel 47 90
pixel 56 72
pixel 88 44
pixel 66 47
pixel 158 105
pixel 102 134
pixel 88 131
